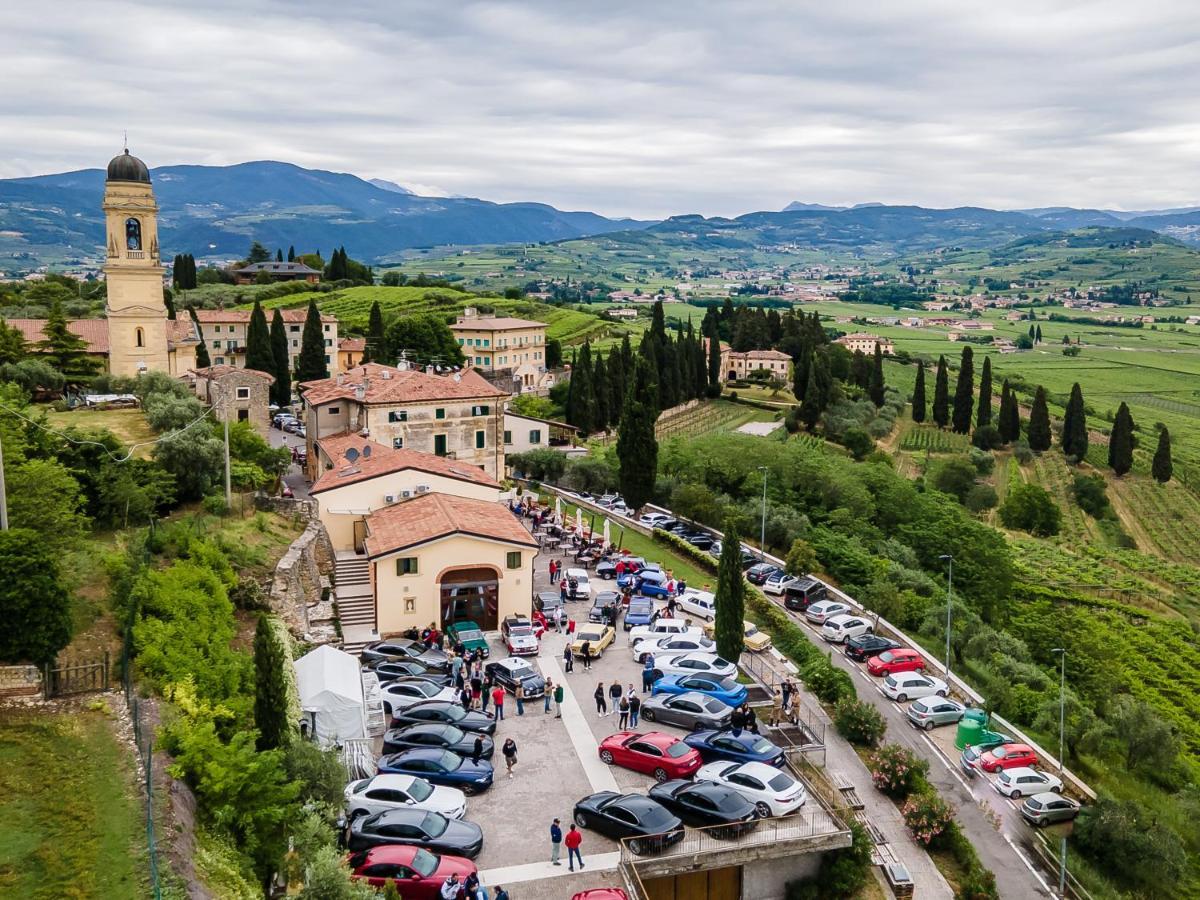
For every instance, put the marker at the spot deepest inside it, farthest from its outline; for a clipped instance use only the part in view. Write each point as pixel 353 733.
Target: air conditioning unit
pixel 422 488
pixel 406 493
pixel 389 498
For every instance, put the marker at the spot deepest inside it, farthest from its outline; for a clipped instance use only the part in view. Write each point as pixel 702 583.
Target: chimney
pixel 360 392
pixel 386 374
pixel 429 370
pixel 341 379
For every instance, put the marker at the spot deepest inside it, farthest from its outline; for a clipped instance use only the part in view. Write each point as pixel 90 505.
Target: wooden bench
pixel 848 791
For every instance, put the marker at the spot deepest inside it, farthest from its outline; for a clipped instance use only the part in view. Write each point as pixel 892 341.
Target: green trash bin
pixel 971 728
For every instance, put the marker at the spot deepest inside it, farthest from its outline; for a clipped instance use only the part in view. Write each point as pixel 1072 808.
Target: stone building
pixel 241 395
pixel 224 332
pixel 503 346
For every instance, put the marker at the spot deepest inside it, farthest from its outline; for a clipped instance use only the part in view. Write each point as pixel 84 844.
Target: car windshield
pixel 426 688
pixel 721 663
pixel 455 713
pixel 471 634
pixel 449 761
pixel 420 790
pixel 887 656
pixel 1001 752
pixel 640 607
pixel 520 631
pixel 678 749
pixel 453 735
pixel 781 782
pixel 424 863
pixel 714 706
pixel 434 824
pixel 762 745
pixel 751 631
pixel 727 684
pixel 580 578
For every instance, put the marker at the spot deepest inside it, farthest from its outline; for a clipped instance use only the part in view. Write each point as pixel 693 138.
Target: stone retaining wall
pixel 20 681
pixel 300 577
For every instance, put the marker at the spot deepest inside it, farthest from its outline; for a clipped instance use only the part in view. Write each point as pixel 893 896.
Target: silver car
pixel 691 710
pixel 1048 808
pixel 930 712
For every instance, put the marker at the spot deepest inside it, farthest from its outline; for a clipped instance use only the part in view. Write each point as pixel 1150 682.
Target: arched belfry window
pixel 133 234
pixel 140 337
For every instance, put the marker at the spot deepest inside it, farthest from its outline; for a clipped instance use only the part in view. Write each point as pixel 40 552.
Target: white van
pixel 699 603
pixel 663 628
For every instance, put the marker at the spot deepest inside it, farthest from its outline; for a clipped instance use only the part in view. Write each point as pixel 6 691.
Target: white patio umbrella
pixel 579 519
pixel 607 538
pixel 558 508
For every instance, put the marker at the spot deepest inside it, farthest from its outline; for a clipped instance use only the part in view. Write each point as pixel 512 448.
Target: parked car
pixel 601 606
pixel 597 636
pixel 702 604
pixel 416 828
pixel 776 582
pixel 649 583
pixel 672 644
pixel 863 647
pixel 1007 756
pixel 694 664
pixel 390 669
pixel 760 572
pixel 968 760
pixel 689 710
pixel 772 791
pixel 905 686
pixel 438 735
pixel 654 753
pixel 803 593
pixel 440 767
pixel 450 712
pixel 755 641
pixel 583 585
pixel 282 419
pixel 414 870
pixel 406 691
pixel 470 636
pixel 699 539
pixel 367 796
pixel 901 659
pixel 748 557
pixel 606 570
pixel 706 803
pixel 639 612
pixel 1048 808
pixel 836 629
pixel 648 825
pixel 726 690
pixel 736 746
pixel 629 578
pixel 548 602
pixel 514 670
pixel 1024 782
pixel 930 712
pixel 817 613
pixel 652 520
pixel 661 628
pixel 519 636
pixel 400 648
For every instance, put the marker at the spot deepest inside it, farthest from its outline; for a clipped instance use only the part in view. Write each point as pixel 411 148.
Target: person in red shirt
pixel 498 702
pixel 620 567
pixel 573 839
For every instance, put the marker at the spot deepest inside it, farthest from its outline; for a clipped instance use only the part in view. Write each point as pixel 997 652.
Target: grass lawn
pixel 70 817
pixel 127 424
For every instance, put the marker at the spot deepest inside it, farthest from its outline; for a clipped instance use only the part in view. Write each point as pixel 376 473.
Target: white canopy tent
pixel 331 695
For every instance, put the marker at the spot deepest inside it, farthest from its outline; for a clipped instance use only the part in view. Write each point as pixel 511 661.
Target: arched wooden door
pixel 471 593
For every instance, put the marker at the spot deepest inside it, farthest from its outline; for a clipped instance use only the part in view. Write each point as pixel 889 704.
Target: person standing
pixel 635 709
pixel 456 664
pixel 737 720
pixel 464 697
pixel 568 659
pixel 601 706
pixel 520 692
pixel 614 695
pixel 648 673
pixel 477 750
pixel 476 689
pixel 556 837
pixel 751 718
pixel 502 894
pixel 586 652
pixel 486 686
pixel 623 709
pixel 510 755
pixel 498 702
pixel 551 571
pixel 559 693
pixel 786 690
pixel 562 591
pixel 450 888
pixel 547 693
pixel 573 839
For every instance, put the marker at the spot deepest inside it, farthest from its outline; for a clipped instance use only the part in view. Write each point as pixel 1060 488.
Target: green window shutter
pixel 439 413
pixel 480 440
pixel 514 559
pixel 439 444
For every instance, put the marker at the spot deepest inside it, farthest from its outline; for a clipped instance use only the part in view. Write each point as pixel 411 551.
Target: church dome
pixel 128 168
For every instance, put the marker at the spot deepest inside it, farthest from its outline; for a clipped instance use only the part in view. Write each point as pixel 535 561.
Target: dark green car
pixel 470 636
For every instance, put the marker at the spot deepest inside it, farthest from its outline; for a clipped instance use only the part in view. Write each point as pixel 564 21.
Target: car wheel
pixel 697 726
pixel 648 714
pixel 636 848
pixel 902 698
pixel 470 790
pixel 1057 789
pixel 660 775
pixel 941 693
pixel 1015 794
pixel 580 820
pixel 929 725
pixel 764 811
pixel 357 814
pixel 708 618
pixel 606 757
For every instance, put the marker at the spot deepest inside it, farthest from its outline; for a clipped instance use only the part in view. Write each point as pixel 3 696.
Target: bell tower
pixel 137 317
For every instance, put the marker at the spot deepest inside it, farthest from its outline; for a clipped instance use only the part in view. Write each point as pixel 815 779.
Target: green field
pixel 708 416
pixel 70 817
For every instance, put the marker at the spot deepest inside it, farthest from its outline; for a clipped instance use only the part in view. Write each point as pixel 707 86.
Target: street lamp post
pixel 1062 731
pixel 762 538
pixel 949 560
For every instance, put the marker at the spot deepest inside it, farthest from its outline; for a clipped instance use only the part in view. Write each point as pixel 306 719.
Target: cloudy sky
pixel 629 108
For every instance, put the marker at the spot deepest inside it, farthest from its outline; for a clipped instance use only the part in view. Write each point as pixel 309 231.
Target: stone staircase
pixel 355 602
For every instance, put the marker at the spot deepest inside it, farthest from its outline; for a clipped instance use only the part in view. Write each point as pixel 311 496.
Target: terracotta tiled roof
pixel 222 371
pixel 859 336
pixel 385 384
pixel 432 516
pixel 353 345
pixel 223 316
pixel 180 330
pixel 384 460
pixel 94 331
pixel 495 323
pixel 766 354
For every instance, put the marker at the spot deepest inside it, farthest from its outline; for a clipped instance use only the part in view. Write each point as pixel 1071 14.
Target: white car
pixel 702 604
pixel 383 792
pixel 905 686
pixel 404 692
pixel 695 664
pixel 825 609
pixel 776 582
pixel 838 628
pixel 583 586
pixel 1025 782
pixel 673 644
pixel 772 791
pixel 661 629
pixel 652 520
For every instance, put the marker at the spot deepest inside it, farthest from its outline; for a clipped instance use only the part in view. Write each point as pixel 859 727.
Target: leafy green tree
pixel 1075 431
pixel 311 365
pixel 64 349
pixel 941 395
pixel 258 253
pixel 202 358
pixel 133 491
pixel 983 416
pixel 33 375
pixel 1039 422
pixel 376 341
pixel 801 558
pixel 1029 507
pixel 1161 467
pixel 730 598
pixel 281 390
pixel 918 397
pixel 1130 843
pixel 859 722
pixel 1010 415
pixel 271 712
pixel 169 303
pixel 45 498
pixel 12 344
pixel 637 446
pixel 1090 492
pixel 1146 741
pixel 35 601
pixel 423 339
pixel 259 354
pixel 964 393
pixel 328 878
pixel 954 475
pixel 195 460
pixel 858 442
pixel 1120 441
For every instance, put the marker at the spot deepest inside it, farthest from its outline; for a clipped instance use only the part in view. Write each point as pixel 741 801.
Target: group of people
pixel 785 706
pixel 625 703
pixel 470 888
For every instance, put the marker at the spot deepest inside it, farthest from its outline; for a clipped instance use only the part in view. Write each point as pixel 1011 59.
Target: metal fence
pixel 62 679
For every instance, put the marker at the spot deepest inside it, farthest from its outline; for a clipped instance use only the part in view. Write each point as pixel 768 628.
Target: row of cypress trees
pixel 267 350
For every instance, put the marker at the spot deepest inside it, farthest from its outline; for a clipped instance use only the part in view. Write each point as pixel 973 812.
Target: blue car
pixel 440 767
pixel 630 579
pixel 651 584
pixel 639 612
pixel 726 690
pixel 737 746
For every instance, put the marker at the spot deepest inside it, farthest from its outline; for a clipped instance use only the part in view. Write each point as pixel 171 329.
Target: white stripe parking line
pixel 1029 865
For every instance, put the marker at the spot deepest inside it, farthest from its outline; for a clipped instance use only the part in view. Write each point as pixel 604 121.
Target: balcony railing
pixel 135 254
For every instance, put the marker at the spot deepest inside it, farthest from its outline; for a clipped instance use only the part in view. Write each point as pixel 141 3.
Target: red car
pixel 901 659
pixel 1008 756
pixel 662 755
pixel 418 873
pixel 601 894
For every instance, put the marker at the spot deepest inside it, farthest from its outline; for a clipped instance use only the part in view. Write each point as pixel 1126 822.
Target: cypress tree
pixel 169 303
pixel 64 349
pixel 984 415
pixel 800 367
pixel 729 627
pixel 918 397
pixel 202 360
pixel 1039 422
pixel 699 367
pixel 714 358
pixel 600 393
pixel 270 688
pixel 877 385
pixel 1010 415
pixel 1037 335
pixel 616 385
pixel 637 447
pixel 291 253
pixel 964 392
pixel 278 255
pixel 1161 467
pixel 860 370
pixel 626 362
pixel 259 355
pixel 583 401
pixel 1075 432
pixel 311 365
pixel 282 388
pixel 1120 443
pixel 941 395
pixel 1032 333
pixel 176 270
pixel 375 342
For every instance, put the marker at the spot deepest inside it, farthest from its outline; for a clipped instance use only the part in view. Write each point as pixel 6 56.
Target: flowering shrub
pixel 859 722
pixel 927 815
pixel 896 770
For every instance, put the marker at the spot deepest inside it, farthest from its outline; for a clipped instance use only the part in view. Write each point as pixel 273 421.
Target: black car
pixel 441 735
pixel 703 803
pixel 547 603
pixel 802 593
pixel 636 816
pixel 865 646
pixel 511 670
pixel 606 570
pixel 391 669
pixel 403 649
pixel 699 540
pixel 418 828
pixel 760 572
pixel 605 600
pixel 445 712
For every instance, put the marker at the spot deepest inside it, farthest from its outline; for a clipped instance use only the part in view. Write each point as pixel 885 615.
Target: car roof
pixel 840 618
pixel 421 753
pixel 637 803
pixel 466 625
pixel 1011 745
pixel 760 770
pixel 392 780
pixel 403 814
pixel 393 853
pixel 1022 770
pixel 1048 796
pixel 513 662
pixel 575 573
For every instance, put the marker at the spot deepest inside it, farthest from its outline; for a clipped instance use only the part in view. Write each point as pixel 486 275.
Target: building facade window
pixel 535 436
pixel 480 410
pixel 133 234
pixel 480 440
pixel 398 415
pixel 243 393
pixel 513 559
pixel 334 410
pixel 406 565
pixel 139 337
pixel 439 413
pixel 439 444
pixel 397 443
pixel 508 437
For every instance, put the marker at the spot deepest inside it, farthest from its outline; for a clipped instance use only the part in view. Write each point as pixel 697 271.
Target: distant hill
pixel 215 211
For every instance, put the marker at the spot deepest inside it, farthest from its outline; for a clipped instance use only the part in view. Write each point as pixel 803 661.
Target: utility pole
pixel 1062 731
pixel 762 540
pixel 949 600
pixel 3 493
